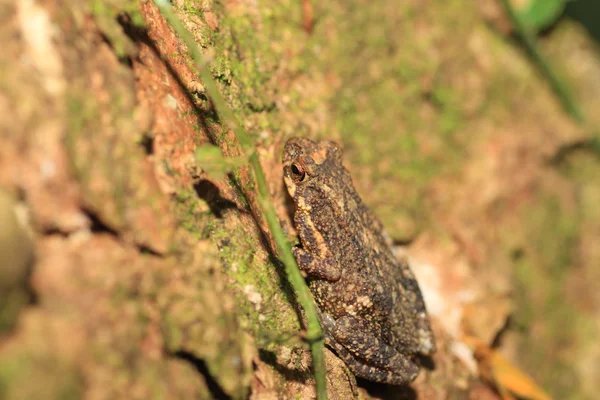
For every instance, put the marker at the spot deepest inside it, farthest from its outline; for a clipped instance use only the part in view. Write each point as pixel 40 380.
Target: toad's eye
pixel 298 172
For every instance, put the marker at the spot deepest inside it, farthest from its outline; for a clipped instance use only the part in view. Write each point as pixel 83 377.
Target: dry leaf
pixel 507 378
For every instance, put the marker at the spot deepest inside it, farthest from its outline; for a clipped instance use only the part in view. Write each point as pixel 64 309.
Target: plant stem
pixel 559 87
pixel 314 332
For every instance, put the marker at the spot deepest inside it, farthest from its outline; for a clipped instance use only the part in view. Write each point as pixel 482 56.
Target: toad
pixel 370 305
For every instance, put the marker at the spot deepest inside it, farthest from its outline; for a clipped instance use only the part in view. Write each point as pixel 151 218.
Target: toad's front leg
pixel 316 266
pixel 314 257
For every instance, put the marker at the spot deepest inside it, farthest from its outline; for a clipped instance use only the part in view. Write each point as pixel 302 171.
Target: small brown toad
pixel 371 307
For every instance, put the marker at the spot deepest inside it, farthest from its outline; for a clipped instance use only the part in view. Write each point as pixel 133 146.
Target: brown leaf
pixel 507 378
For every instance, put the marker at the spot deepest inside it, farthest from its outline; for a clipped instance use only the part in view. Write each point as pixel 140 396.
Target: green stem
pixel 314 332
pixel 559 87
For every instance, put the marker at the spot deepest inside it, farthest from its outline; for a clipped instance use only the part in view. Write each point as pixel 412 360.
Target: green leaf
pixel 214 163
pixel 541 14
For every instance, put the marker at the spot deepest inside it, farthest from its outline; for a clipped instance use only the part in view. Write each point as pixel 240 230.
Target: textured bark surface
pixel 126 271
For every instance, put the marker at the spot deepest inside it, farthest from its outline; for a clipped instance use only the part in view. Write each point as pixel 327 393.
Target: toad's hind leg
pixel 366 371
pixel 366 355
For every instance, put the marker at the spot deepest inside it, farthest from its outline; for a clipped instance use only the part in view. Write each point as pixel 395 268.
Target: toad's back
pixel 371 287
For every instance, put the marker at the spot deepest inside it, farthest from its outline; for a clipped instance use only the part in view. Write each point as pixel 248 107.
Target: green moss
pixel 379 104
pixel 29 376
pixel 541 273
pixel 83 114
pixel 79 114
pixel 193 214
pixel 251 273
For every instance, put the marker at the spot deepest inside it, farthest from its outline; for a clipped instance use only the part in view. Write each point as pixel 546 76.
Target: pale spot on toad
pixel 365 301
